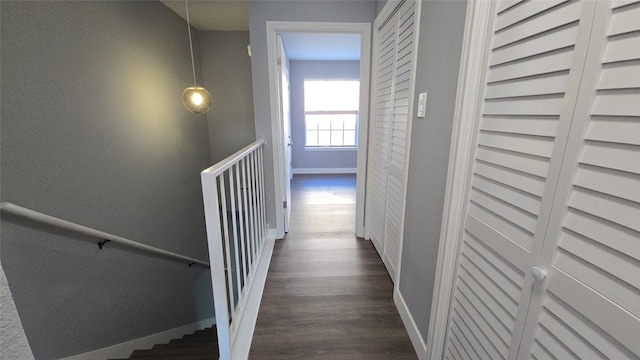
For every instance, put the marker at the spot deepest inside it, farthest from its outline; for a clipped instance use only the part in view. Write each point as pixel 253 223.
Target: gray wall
pixel 317 70
pixel 226 69
pixel 12 338
pixel 440 44
pixel 299 10
pixel 380 5
pixel 93 131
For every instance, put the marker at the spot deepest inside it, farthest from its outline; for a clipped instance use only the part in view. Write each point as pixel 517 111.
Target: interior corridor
pixel 328 294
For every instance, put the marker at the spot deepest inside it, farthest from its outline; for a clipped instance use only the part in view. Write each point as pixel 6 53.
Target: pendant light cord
pixel 193 66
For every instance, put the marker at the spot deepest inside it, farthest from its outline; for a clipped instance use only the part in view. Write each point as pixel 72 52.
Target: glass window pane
pixel 312 138
pixel 337 122
pixel 311 122
pixel 337 138
pixel 350 138
pixel 324 122
pixel 350 122
pixel 324 138
pixel 324 95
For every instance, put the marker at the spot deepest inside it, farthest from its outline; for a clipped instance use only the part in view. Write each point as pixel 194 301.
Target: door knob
pixel 290 144
pixel 538 274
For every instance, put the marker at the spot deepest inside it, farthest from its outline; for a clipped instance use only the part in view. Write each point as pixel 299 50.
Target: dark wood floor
pixel 328 295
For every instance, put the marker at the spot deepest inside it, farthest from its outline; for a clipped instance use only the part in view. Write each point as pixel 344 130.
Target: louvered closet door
pixel 402 88
pixel 591 306
pixel 393 95
pixel 536 52
pixel 383 124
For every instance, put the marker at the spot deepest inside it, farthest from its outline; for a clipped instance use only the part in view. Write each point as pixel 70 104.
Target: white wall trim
pixel 276 133
pixel 364 29
pixel 328 148
pixel 124 350
pixel 363 126
pixel 325 170
pixel 271 233
pixel 467 108
pixel 409 323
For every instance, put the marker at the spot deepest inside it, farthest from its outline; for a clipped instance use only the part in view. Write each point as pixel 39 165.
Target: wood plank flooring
pixel 328 295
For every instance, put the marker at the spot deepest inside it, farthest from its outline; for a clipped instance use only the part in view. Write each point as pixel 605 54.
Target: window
pixel 331 113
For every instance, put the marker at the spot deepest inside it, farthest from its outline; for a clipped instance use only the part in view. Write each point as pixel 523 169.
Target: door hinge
pixel 284 204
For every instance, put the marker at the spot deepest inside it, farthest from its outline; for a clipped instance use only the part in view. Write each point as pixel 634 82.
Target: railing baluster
pixel 251 218
pixel 245 253
pixel 236 243
pixel 227 248
pixel 254 185
pixel 257 201
pixel 236 240
pixel 246 214
pixel 263 219
pixel 252 209
pixel 259 216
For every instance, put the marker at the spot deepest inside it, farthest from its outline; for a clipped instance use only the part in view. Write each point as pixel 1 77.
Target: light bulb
pixel 196 99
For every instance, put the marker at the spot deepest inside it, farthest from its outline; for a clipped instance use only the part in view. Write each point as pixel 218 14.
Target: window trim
pixel 330 148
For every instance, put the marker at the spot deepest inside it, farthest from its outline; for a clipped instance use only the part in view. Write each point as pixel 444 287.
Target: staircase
pixel 201 345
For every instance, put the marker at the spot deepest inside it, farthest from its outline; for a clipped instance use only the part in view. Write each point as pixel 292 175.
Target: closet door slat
pixel 592 249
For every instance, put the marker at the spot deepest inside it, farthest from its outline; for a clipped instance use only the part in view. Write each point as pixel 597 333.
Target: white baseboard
pixel 124 350
pixel 325 170
pixel 272 233
pixel 414 333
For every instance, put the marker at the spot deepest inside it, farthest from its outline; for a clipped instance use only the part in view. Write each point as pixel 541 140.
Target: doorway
pixel 281 127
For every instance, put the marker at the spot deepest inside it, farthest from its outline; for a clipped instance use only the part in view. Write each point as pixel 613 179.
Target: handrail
pixel 67 225
pixel 225 164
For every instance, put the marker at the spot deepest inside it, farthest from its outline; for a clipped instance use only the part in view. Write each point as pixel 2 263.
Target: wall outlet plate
pixel 422 104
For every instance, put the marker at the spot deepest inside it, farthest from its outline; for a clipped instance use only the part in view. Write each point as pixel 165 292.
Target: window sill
pixel 326 148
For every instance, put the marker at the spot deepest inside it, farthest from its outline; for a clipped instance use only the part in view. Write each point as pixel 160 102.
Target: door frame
pixel 285 126
pixel 465 121
pixel 364 30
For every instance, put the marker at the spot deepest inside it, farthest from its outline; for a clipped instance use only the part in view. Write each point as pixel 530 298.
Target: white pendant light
pixel 195 98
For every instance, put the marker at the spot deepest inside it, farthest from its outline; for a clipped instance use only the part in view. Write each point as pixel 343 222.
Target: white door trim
pixel 467 107
pixel 364 30
pixel 284 126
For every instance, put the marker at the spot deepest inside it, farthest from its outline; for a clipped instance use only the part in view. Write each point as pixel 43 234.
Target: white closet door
pixel 591 306
pixel 393 94
pixel 537 51
pixel 383 124
pixel 398 154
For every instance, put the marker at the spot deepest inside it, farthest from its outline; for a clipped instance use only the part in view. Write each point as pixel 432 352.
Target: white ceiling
pixel 230 15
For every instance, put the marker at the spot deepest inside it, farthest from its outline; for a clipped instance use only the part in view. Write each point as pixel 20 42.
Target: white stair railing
pixel 234 203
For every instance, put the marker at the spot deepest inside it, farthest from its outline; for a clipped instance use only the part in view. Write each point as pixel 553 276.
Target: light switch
pixel 422 104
